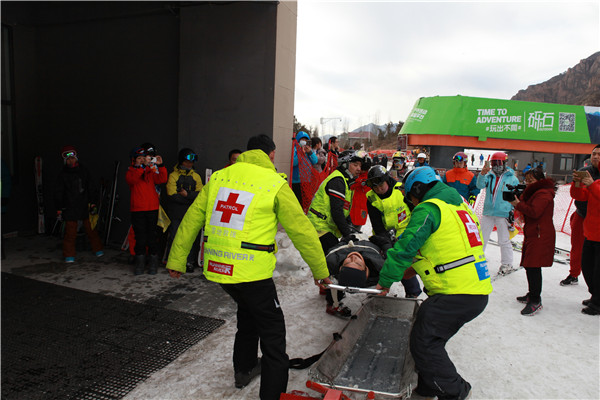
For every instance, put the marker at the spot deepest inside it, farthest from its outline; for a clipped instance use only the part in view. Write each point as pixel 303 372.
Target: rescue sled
pixel 372 357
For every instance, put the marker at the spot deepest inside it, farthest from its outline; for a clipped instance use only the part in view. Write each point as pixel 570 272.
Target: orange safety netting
pixel 310 177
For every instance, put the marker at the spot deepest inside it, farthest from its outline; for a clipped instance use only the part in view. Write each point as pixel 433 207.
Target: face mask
pixel 303 142
pixel 498 169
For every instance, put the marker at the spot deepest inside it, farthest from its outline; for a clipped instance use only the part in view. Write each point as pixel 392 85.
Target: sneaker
pixel 531 309
pixel 523 299
pixel 244 378
pixel 339 311
pixel 587 302
pixel 569 280
pixel 69 259
pixel 99 253
pixel 589 310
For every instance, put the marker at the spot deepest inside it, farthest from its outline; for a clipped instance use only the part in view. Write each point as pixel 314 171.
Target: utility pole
pixel 326 120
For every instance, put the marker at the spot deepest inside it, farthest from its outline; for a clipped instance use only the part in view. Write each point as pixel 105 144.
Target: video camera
pixel 514 191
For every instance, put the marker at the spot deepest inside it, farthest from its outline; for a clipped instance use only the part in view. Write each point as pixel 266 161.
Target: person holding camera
pixel 144 173
pixel 308 157
pixel 495 176
pixel 536 204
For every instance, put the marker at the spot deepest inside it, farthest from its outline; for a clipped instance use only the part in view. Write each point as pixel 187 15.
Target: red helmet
pixel 460 156
pixel 499 156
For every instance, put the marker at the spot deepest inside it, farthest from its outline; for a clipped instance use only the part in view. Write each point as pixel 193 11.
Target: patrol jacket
pixel 321 211
pixel 458 237
pixel 389 212
pixel 494 205
pixel 141 181
pixel 463 181
pixel 240 207
pixel 179 179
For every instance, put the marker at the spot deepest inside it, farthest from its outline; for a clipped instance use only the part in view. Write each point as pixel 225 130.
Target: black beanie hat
pixel 352 277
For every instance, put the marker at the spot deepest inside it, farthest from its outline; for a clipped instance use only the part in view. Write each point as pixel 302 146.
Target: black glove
pixel 346 239
pixel 381 241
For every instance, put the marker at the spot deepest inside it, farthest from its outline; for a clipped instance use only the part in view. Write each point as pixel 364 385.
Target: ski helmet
pixel 376 176
pixel 186 154
pixel 498 161
pixel 68 151
pixel 149 148
pixel 136 152
pixel 499 156
pixel 351 156
pixel 419 181
pixel 460 156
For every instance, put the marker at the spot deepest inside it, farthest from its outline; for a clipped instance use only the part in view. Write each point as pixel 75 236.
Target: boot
pixel 140 264
pixel 153 264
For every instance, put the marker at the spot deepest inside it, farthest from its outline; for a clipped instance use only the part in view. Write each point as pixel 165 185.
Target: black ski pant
pixel 260 318
pixel 144 227
pixel 438 319
pixel 590 268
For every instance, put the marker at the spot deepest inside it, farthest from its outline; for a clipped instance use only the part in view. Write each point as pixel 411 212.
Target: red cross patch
pixel 401 216
pixel 230 208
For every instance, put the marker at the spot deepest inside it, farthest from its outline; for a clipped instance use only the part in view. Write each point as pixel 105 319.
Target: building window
pixel 566 162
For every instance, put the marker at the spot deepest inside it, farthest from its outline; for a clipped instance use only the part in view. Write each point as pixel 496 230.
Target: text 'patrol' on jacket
pixel 443 232
pixel 240 207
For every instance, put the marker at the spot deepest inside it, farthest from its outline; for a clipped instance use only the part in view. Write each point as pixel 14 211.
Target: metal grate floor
pixel 63 343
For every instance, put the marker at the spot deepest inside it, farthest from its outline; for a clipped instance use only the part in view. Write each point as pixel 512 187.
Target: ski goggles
pixel 68 154
pixel 497 163
pixel 458 158
pixel 374 182
pixel 150 151
pixel 191 157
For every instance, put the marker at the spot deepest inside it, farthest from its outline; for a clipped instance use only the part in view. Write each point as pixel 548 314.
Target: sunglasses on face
pixel 192 157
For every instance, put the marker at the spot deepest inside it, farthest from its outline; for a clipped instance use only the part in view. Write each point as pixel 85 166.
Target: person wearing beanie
pixel 183 186
pixel 73 199
pixel 144 173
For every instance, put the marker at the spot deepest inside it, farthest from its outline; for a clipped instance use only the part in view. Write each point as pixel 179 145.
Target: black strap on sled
pixel 302 363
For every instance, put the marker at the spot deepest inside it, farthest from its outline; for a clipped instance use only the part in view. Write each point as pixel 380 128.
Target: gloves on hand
pixel 472 199
pixel 383 242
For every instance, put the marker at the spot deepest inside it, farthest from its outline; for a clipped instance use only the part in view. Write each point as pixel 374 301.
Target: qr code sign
pixel 566 122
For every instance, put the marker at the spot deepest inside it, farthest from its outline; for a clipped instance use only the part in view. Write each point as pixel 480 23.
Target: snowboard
pixel 112 200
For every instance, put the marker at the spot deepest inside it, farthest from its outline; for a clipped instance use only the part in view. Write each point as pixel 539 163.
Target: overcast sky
pixel 371 61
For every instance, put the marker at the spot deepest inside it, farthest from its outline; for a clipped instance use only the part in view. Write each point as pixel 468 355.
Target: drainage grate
pixel 59 342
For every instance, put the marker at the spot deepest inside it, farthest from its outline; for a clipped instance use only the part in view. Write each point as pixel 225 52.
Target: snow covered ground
pixel 504 355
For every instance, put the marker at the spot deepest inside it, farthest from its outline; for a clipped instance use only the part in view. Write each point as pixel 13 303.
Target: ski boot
pixel 153 264
pixel 140 265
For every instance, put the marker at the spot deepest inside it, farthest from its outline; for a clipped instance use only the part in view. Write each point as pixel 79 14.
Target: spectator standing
pixel 526 169
pixel 444 233
pixel 74 198
pixel 304 141
pixel 399 166
pixel 240 208
pixel 142 176
pixel 183 186
pixel 461 179
pixel 317 146
pixel 586 188
pixel 496 210
pixel 389 215
pixel 576 223
pixel 537 207
pixel 422 160
pixel 233 156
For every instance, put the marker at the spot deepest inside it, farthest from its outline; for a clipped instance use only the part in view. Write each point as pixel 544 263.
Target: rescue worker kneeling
pixel 445 236
pixel 240 208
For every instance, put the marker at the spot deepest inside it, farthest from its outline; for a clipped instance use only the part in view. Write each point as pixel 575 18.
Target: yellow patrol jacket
pixel 240 207
pixel 453 260
pixel 394 210
pixel 319 212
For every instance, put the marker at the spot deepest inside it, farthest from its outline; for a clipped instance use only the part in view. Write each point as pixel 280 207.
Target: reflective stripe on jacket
pixel 319 212
pixel 452 260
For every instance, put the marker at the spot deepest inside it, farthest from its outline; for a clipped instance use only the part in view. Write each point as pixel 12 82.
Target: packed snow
pixel 504 355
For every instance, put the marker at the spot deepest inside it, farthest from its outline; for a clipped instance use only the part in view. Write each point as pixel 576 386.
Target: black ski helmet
pixel 136 152
pixel 186 154
pixel 149 148
pixel 376 176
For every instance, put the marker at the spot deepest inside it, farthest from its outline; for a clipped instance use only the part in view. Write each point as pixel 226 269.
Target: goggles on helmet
pixel 150 151
pixel 458 158
pixel 191 157
pixel 375 181
pixel 68 154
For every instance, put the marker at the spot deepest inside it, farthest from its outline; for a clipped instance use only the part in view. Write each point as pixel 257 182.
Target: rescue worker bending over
pixel 240 208
pixel 444 233
pixel 389 216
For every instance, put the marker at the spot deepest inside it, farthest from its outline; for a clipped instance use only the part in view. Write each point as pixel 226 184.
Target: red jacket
pixel 537 207
pixel 358 210
pixel 141 181
pixel 591 223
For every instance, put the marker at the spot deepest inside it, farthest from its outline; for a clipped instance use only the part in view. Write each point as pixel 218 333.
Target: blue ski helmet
pixel 424 175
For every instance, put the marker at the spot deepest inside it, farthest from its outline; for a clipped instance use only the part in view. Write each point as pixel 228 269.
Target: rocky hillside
pixel 579 85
